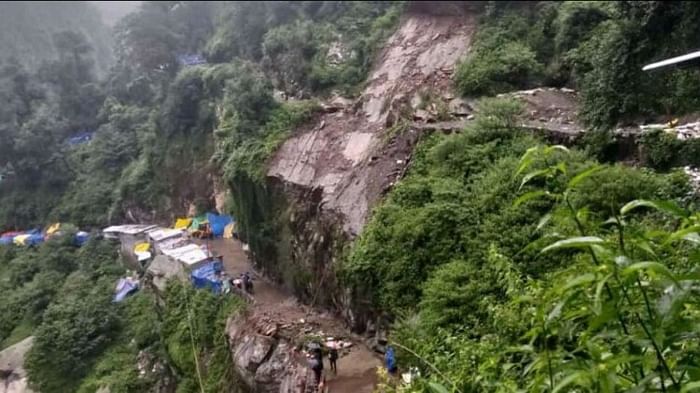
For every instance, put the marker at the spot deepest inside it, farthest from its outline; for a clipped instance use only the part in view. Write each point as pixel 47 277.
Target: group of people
pixel 244 282
pixel 315 356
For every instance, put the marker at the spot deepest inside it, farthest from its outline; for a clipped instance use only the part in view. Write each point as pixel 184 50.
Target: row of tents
pixel 34 237
pixel 169 252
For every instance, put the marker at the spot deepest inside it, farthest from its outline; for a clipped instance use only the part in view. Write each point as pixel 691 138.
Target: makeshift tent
pixel 142 247
pixel 161 234
pixel 230 230
pixel 5 240
pixel 21 239
pixel 125 286
pixel 53 228
pixel 182 223
pixel 81 238
pixel 198 222
pixel 207 276
pixel 34 239
pixel 218 223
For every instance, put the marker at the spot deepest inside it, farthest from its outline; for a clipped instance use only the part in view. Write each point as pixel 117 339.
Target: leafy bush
pixel 512 65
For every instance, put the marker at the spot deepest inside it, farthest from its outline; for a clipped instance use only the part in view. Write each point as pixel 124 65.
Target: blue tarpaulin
pixel 218 223
pixel 390 360
pixel 80 138
pixel 125 286
pixel 81 238
pixel 5 240
pixel 34 239
pixel 190 60
pixel 207 276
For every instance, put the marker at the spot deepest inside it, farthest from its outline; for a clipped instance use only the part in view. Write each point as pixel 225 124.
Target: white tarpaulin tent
pixel 161 234
pixel 116 230
pixel 190 254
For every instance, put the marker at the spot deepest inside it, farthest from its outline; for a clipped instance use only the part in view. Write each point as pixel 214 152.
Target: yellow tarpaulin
pixel 142 247
pixel 183 223
pixel 19 240
pixel 229 230
pixel 53 229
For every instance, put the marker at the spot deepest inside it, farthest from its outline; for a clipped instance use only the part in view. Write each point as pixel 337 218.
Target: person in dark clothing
pixel 333 358
pixel 316 365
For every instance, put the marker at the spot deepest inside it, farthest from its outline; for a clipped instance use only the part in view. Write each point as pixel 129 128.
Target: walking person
pixel 333 358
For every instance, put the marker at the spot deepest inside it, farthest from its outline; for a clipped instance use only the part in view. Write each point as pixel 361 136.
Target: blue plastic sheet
pixel 81 238
pixel 34 239
pixel 207 276
pixel 218 223
pixel 125 287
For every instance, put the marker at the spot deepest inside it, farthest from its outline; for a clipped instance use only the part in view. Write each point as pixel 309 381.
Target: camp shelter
pixel 230 230
pixel 198 222
pixel 190 255
pixel 161 234
pixel 173 242
pixel 117 231
pixel 163 269
pixel 125 286
pixel 34 239
pixel 218 223
pixel 21 239
pixel 142 247
pixel 182 223
pixel 53 228
pixel 207 276
pixel 81 238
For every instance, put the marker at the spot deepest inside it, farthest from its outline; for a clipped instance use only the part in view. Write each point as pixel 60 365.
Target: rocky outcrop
pixel 13 377
pixel 265 361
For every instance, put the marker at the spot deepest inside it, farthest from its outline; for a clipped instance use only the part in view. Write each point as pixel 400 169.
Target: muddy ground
pixel 357 365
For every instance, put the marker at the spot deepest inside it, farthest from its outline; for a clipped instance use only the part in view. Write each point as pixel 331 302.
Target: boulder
pixel 13 377
pixel 251 351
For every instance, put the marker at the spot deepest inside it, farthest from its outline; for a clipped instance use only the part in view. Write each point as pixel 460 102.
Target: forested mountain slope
pixel 380 165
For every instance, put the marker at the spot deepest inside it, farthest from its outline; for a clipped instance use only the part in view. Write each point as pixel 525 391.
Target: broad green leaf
pixel 566 381
pixel 437 388
pixel 526 160
pixel 691 387
pixel 584 175
pixel 580 280
pixel 561 167
pixel 653 266
pixel 598 300
pixel 575 242
pixel 662 206
pixel 529 196
pixel 543 221
pixel 561 148
pixel 556 311
pixel 683 234
pixel 532 175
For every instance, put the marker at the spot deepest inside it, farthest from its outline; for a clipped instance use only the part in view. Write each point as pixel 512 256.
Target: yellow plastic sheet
pixel 19 240
pixel 142 247
pixel 229 231
pixel 183 223
pixel 53 228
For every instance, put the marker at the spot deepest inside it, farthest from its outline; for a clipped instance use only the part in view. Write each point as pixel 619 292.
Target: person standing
pixel 333 358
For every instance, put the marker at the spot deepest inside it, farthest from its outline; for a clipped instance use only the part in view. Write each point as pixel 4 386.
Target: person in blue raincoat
pixel 390 360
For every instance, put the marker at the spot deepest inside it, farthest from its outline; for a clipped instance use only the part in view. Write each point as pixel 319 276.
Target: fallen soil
pixel 357 364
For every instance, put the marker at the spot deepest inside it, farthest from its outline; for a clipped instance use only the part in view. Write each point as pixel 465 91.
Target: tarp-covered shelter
pixel 207 276
pixel 161 234
pixel 53 228
pixel 182 223
pixel 190 255
pixel 197 222
pixel 81 238
pixel 142 247
pixel 218 223
pixel 230 230
pixel 125 286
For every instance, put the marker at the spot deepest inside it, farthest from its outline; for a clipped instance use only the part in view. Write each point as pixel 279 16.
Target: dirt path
pixel 356 366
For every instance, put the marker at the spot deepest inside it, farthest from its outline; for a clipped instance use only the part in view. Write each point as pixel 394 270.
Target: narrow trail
pixel 356 366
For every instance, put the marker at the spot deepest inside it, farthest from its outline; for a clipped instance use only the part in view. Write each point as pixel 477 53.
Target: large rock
pixel 251 351
pixel 163 269
pixel 13 377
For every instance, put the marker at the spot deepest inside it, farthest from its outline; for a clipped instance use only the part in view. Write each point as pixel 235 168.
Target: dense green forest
pixel 503 263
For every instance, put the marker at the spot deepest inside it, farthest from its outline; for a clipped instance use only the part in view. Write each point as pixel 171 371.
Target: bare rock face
pixel 265 362
pixel 13 377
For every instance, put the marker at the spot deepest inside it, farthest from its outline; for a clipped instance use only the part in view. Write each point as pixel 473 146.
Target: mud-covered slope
pixel 344 154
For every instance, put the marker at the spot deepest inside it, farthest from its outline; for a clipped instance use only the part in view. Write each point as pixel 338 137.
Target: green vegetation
pixel 598 48
pixel 504 247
